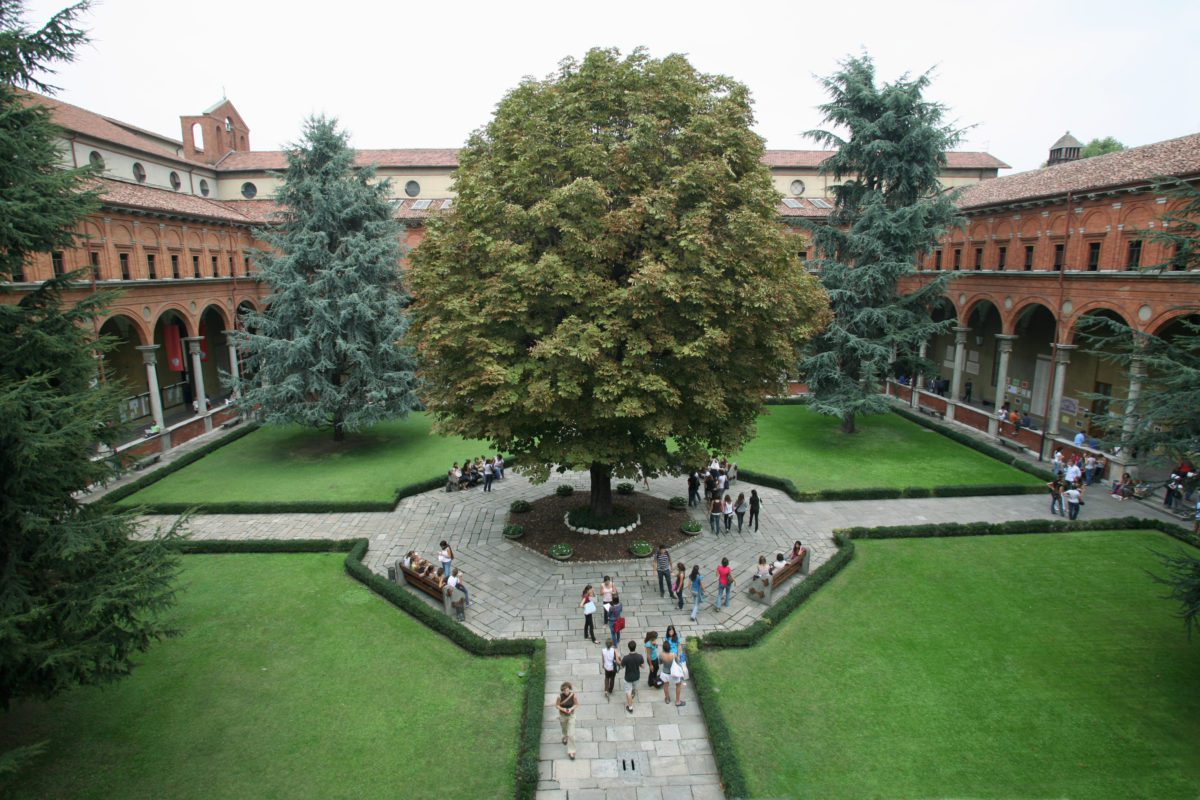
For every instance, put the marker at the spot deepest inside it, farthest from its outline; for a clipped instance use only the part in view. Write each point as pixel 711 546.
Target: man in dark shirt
pixel 632 664
pixel 664 570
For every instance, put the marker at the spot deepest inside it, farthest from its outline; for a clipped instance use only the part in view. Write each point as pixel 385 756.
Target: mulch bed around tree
pixel 544 526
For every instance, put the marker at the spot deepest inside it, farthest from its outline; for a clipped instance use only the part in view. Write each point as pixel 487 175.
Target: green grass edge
pixel 529 744
pixel 733 778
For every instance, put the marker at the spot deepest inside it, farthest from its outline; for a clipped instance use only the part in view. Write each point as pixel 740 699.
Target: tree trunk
pixel 848 423
pixel 601 499
pixel 339 427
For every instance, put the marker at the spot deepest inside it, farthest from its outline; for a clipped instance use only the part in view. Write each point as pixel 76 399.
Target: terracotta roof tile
pixel 956 159
pixel 410 157
pixel 145 198
pixel 1174 157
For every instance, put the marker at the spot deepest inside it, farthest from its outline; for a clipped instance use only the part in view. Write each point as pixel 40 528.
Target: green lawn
pixel 887 452
pixel 290 680
pixel 292 463
pixel 985 667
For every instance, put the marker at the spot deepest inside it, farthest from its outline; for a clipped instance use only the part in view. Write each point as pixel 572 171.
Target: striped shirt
pixel 664 561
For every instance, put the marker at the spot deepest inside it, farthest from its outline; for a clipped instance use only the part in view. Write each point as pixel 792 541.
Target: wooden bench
pixel 933 412
pixel 146 461
pixel 431 588
pixel 766 594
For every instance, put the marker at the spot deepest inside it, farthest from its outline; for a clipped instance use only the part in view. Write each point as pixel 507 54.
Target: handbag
pixel 619 625
pixel 589 607
pixel 676 669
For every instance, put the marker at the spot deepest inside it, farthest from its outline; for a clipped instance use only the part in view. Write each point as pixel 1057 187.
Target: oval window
pixel 797 187
pixel 175 181
pixel 412 188
pixel 139 172
pixel 249 190
pixel 95 159
pixel 204 187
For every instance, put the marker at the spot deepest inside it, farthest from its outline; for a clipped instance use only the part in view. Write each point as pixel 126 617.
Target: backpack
pixel 619 625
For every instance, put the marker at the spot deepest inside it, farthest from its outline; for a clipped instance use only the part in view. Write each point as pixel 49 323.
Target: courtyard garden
pixel 289 679
pixel 986 667
pixel 296 465
pixel 888 452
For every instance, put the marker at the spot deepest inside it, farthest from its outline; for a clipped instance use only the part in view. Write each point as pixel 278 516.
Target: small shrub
pixel 514 531
pixel 520 507
pixel 677 503
pixel 641 549
pixel 561 551
pixel 624 488
pixel 691 527
pixel 565 490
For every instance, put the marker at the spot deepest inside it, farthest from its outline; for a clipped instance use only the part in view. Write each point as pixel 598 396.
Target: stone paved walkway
pixel 518 593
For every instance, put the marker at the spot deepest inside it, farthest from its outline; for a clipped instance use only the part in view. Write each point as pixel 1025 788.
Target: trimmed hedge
pixel 625 488
pixel 564 490
pixel 121 492
pixel 529 746
pixel 730 769
pixel 881 493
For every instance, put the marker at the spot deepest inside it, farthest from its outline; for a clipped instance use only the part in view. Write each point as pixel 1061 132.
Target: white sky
pixel 425 74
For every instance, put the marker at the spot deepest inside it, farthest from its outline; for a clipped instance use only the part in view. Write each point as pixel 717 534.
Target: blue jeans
pixel 487 482
pixel 714 521
pixel 1056 502
pixel 664 577
pixel 1072 510
pixel 446 567
pixel 723 591
pixel 697 601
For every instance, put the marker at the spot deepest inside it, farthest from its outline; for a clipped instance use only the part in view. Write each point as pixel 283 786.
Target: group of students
pixel 726 509
pixel 716 478
pixel 444 573
pixel 1006 414
pixel 472 473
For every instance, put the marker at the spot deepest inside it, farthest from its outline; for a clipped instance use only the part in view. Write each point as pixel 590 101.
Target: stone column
pixel 193 343
pixel 960 360
pixel 919 378
pixel 1137 374
pixel 1062 358
pixel 1006 345
pixel 234 369
pixel 150 359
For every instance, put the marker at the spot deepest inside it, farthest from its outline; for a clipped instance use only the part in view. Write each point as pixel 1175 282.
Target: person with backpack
pixel 616 622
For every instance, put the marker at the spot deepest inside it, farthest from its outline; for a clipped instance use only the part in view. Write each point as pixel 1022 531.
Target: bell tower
pixel 1065 149
pixel 220 130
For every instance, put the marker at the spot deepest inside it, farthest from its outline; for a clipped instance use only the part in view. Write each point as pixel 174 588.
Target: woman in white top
pixel 727 510
pixel 608 663
pixel 446 557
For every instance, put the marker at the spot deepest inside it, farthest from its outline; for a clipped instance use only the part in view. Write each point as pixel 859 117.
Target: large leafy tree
pixel 613 275
pixel 888 208
pixel 1100 147
pixel 326 352
pixel 79 596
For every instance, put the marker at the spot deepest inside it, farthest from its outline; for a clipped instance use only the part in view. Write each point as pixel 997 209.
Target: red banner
pixel 174 347
pixel 203 344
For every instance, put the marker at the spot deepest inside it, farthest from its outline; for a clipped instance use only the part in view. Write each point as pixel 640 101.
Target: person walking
pixel 588 603
pixel 616 622
pixel 755 505
pixel 566 705
pixel 740 507
pixel 727 512
pixel 680 580
pixel 1074 496
pixel 693 489
pixel 1056 497
pixel 633 673
pixel 672 674
pixel 650 644
pixel 446 557
pixel 697 592
pixel 664 572
pixel 724 583
pixel 714 515
pixel 608 663
pixel 607 590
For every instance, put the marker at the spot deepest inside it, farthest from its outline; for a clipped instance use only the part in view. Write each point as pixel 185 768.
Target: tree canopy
pixel 1099 147
pixel 613 275
pixel 326 351
pixel 79 596
pixel 889 208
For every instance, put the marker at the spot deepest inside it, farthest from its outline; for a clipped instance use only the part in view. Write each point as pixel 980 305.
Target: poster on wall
pixel 1070 405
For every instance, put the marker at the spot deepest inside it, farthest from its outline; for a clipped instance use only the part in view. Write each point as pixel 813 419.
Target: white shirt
pixel 1079 439
pixel 609 655
pixel 444 556
pixel 1073 472
pixel 452 582
pixel 1073 495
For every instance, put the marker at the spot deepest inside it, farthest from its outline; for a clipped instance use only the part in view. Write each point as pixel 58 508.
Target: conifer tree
pixel 79 597
pixel 325 352
pixel 612 276
pixel 888 209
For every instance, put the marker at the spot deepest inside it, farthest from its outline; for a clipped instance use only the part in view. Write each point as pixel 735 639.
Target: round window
pixel 139 172
pixel 412 188
pixel 95 159
pixel 175 181
pixel 797 187
pixel 204 187
pixel 249 190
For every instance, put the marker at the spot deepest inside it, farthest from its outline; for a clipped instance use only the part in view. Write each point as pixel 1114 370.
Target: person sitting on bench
pixel 797 552
pixel 780 563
